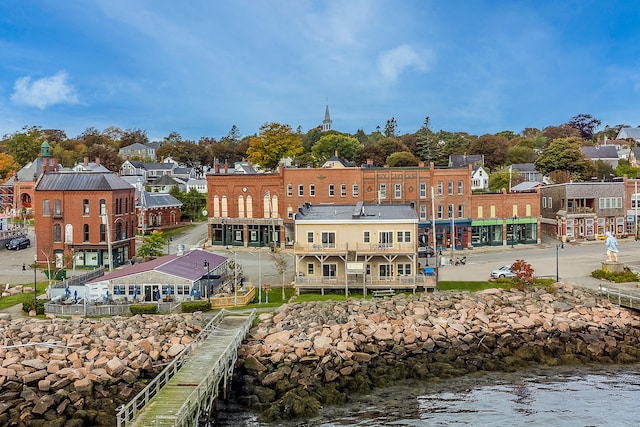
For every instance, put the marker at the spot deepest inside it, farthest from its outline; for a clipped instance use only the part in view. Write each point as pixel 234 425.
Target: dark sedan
pixel 18 243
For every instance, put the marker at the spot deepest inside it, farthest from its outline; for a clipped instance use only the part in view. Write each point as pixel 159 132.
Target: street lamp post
pixel 513 230
pixel 206 264
pixel 169 240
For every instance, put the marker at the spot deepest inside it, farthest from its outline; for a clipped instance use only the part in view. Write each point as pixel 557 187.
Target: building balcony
pixel 359 248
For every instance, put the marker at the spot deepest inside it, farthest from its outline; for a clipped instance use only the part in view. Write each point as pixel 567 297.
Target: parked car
pixel 426 251
pixel 504 271
pixel 18 243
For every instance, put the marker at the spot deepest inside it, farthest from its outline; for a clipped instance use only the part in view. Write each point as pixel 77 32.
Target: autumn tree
pixel 524 274
pixel 108 156
pixel 7 165
pixel 586 124
pixel 371 151
pixel 92 136
pixel 274 142
pixel 563 155
pixel 133 136
pixel 557 132
pixel 346 147
pixel 493 147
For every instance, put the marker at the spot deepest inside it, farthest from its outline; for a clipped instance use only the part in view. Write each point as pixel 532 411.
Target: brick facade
pixel 231 198
pixel 69 220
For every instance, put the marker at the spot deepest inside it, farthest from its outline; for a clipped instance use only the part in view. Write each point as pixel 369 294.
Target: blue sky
pixel 198 67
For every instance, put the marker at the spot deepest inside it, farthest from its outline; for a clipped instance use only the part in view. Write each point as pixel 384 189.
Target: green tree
pixel 520 154
pixel 173 138
pixel 24 147
pixel 193 202
pixel 153 245
pixel 328 145
pixel 599 169
pixel 391 128
pixel 402 159
pixel 427 146
pixel 563 155
pixel 625 168
pixel 451 143
pixel 274 142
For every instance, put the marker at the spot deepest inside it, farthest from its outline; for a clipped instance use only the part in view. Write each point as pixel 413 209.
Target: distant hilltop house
pixel 527 173
pixel 138 151
pixel 606 153
pixel 479 175
pixel 87 166
pixel 629 133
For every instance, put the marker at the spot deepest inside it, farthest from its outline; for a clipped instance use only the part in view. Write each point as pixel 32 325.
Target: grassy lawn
pixel 12 300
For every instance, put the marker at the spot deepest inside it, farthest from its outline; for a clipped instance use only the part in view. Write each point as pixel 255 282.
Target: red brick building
pixel 81 217
pixel 258 209
pixel 17 193
pixel 505 218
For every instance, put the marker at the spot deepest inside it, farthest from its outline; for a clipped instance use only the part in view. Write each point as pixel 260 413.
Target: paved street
pixel 575 262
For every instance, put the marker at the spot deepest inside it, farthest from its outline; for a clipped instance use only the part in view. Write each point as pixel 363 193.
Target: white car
pixel 504 271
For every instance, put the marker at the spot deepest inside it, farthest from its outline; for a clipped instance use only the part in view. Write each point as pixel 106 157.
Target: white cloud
pixel 44 92
pixel 393 62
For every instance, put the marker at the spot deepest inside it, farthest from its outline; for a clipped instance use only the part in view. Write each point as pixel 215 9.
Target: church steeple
pixel 326 123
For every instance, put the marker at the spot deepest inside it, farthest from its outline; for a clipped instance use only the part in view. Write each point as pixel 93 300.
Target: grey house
pixel 583 210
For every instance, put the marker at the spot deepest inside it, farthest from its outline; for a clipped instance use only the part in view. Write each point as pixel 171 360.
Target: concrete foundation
pixel 613 267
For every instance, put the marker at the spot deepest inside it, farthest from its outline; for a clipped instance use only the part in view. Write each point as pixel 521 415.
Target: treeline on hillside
pixel 555 150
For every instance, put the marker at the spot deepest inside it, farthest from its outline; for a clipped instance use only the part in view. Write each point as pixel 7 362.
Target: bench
pixel 383 293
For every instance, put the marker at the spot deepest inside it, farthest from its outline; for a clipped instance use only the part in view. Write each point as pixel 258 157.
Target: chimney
pixel 420 164
pixel 97 161
pixel 216 166
pixel 226 167
pixel 336 153
pixel 86 161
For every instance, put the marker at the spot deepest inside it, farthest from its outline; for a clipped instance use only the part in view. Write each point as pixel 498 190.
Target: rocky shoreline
pixel 305 356
pixel 75 373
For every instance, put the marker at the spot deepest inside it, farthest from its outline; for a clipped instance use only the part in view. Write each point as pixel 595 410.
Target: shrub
pixel 193 306
pixel 524 274
pixel 27 306
pixel 626 276
pixel 143 309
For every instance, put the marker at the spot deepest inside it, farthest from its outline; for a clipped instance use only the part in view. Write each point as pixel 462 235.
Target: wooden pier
pixel 186 389
pixel 624 297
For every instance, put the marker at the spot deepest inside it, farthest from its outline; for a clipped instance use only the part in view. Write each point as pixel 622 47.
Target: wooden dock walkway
pixel 622 296
pixel 186 389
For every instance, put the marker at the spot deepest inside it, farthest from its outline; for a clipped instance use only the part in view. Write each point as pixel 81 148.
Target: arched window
pixel 240 206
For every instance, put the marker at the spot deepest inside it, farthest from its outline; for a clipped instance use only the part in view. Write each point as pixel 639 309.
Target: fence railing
pixel 80 279
pixel 629 298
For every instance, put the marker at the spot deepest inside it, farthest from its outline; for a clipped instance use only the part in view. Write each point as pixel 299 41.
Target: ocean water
pixel 580 396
